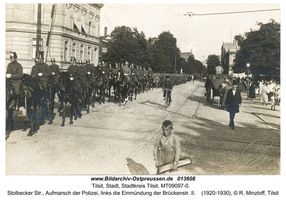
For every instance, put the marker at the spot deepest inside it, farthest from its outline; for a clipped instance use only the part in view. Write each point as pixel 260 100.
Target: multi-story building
pixel 103 44
pixel 228 51
pixel 186 55
pixel 70 29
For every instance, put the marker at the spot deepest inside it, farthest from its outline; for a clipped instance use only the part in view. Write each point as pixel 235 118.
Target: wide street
pixel 101 142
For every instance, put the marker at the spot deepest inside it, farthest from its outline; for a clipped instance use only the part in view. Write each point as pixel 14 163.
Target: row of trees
pixel 259 48
pixel 160 53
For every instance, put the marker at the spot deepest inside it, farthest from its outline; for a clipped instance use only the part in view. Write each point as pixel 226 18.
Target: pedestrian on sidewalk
pixel 233 102
pixel 264 96
pixel 167 148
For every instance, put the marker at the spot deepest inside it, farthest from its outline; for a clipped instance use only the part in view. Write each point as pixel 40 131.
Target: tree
pixel 260 48
pixel 193 66
pixel 212 62
pixel 127 45
pixel 165 56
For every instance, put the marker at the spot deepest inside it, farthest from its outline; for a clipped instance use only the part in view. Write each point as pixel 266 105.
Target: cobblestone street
pixel 101 142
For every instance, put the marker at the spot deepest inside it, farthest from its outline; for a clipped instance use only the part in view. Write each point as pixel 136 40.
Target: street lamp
pixel 247 66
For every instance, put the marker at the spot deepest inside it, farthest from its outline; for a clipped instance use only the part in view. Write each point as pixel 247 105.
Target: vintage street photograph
pixel 142 89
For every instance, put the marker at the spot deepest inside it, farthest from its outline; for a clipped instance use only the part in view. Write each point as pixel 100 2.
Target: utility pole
pixel 175 63
pixel 50 31
pixel 39 21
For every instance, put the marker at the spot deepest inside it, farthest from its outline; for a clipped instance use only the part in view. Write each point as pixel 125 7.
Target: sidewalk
pixel 254 106
pixel 252 148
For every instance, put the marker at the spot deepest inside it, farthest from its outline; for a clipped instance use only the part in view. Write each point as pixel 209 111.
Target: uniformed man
pixel 126 71
pixel 81 71
pixel 54 72
pixel 104 70
pixel 74 76
pixel 41 71
pixel 53 85
pixel 116 71
pixel 14 73
pixel 72 70
pixel 89 69
pixel 133 73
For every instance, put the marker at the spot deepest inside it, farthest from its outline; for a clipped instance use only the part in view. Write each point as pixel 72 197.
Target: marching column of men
pixel 82 77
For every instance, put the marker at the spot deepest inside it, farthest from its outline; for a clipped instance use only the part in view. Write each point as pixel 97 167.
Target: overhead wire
pixel 190 14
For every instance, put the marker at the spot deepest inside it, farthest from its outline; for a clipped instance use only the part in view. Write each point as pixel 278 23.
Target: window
pixel 89 53
pixel 66 51
pixel 95 55
pixel 74 50
pixel 81 52
pixel 89 28
pixel 83 28
pixel 34 45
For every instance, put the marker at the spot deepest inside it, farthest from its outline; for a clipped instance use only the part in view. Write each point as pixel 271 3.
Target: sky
pixel 203 35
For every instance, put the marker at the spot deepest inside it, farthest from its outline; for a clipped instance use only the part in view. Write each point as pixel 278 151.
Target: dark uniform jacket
pixel 55 73
pixel 134 74
pixel 90 70
pixel 44 69
pixel 81 71
pixel 115 72
pixel 233 101
pixel 140 74
pixel 16 71
pixel 104 71
pixel 73 72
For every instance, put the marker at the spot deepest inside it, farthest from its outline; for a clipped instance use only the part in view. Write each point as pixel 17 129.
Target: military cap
pixel 13 55
pixel 53 60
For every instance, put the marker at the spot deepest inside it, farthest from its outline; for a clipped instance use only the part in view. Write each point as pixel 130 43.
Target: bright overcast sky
pixel 203 35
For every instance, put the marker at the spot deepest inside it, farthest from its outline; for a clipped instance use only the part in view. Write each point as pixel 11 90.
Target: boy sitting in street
pixel 167 147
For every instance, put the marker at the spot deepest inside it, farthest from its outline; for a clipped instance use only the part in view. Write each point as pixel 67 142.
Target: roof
pixel 186 55
pixel 228 46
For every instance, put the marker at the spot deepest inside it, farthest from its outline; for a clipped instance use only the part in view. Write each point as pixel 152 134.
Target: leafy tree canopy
pixel 261 49
pixel 212 62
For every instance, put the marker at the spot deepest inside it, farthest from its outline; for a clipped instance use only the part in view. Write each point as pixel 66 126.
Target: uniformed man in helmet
pixel 41 72
pixel 14 73
pixel 74 76
pixel 89 68
pixel 54 72
pixel 89 75
pixel 53 85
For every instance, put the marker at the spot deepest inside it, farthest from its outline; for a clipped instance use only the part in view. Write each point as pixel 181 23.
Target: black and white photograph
pixel 142 89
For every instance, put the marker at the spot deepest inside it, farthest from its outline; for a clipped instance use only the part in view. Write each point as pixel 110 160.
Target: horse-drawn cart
pixel 216 86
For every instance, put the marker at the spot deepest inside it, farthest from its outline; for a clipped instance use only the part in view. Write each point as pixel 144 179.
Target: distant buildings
pixel 186 55
pixel 228 51
pixel 74 31
pixel 103 44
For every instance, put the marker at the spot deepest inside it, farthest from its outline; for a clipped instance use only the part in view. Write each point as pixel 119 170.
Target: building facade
pixel 186 55
pixel 228 51
pixel 74 31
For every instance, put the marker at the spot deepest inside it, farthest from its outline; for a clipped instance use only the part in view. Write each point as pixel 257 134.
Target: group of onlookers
pixel 269 92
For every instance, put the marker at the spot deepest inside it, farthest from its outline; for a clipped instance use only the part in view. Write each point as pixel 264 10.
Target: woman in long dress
pixel 264 96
